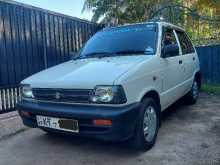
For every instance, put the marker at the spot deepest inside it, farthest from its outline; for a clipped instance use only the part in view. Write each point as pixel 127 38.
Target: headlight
pixel 108 94
pixel 27 91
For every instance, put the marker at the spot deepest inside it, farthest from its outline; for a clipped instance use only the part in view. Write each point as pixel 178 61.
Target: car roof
pixel 171 25
pixel 166 24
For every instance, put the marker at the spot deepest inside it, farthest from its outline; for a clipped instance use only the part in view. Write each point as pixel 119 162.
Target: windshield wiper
pixel 97 55
pixel 131 52
pixel 110 54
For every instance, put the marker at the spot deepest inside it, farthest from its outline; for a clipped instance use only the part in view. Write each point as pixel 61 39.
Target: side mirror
pixel 170 50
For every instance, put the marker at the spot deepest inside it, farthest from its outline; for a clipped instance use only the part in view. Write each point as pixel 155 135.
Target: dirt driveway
pixel 189 135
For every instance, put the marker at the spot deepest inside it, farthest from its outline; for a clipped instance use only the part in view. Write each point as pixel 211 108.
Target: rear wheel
pixel 193 94
pixel 147 126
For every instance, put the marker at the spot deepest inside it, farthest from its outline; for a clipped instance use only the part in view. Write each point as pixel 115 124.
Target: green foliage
pixel 199 19
pixel 214 89
pixel 122 11
pixel 129 11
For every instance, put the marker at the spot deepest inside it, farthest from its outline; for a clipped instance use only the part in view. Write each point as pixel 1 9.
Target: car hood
pixel 84 73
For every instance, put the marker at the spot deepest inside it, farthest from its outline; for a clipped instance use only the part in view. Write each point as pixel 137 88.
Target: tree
pixel 123 11
pixel 130 11
pixel 199 18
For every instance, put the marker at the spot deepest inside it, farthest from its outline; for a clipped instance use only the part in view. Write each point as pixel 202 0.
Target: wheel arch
pixel 198 77
pixel 152 94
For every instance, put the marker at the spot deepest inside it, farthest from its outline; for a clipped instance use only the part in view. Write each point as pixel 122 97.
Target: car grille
pixel 62 95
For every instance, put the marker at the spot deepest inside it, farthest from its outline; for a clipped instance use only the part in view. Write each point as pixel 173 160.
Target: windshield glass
pixel 131 39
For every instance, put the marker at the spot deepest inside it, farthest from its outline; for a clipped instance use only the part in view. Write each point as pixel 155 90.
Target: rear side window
pixel 185 43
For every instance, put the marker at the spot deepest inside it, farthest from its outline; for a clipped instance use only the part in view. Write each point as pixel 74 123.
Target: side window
pixel 185 43
pixel 169 42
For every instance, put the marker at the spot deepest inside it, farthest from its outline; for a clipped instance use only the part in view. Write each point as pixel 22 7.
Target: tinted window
pixel 169 40
pixel 134 38
pixel 185 43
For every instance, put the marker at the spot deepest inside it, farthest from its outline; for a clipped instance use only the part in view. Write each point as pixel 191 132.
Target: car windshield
pixel 126 40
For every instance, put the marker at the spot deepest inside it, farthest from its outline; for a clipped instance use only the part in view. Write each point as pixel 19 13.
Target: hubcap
pixel 195 90
pixel 150 123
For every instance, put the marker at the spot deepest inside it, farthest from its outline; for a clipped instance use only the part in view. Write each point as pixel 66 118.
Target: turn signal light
pixel 101 122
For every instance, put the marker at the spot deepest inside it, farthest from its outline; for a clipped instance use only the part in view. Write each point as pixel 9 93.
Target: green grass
pixel 209 88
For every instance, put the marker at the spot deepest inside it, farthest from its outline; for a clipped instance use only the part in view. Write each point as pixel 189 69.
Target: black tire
pixel 191 98
pixel 139 141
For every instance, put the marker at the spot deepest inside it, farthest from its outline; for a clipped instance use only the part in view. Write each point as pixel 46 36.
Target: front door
pixel 172 69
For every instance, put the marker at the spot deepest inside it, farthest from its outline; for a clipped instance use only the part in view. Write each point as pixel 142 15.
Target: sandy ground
pixel 189 135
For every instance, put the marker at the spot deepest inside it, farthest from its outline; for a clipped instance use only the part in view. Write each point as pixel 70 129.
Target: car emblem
pixel 58 96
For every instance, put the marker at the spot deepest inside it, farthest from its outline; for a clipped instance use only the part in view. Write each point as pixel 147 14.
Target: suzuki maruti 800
pixel 116 86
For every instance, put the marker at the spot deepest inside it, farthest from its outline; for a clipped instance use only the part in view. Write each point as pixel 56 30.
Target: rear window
pixel 185 43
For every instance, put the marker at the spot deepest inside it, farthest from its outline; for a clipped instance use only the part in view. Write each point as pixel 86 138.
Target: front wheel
pixel 147 125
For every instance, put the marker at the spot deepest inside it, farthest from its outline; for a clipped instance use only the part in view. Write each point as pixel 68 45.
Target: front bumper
pixel 123 118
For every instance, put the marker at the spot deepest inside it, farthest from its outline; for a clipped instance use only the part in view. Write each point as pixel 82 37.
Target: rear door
pixel 188 58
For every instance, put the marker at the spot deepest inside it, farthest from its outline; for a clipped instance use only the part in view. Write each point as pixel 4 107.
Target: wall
pixel 209 57
pixel 32 39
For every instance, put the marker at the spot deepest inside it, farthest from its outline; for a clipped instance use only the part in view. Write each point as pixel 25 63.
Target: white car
pixel 116 87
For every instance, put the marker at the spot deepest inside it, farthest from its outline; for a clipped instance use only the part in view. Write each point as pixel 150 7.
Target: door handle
pixel 194 58
pixel 180 61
